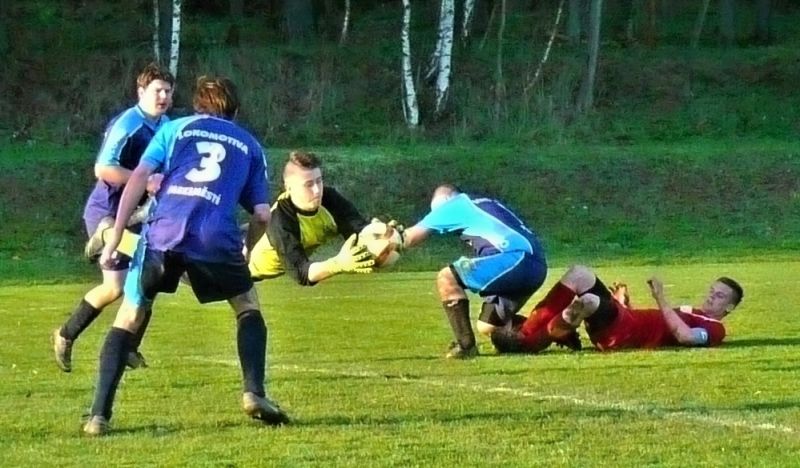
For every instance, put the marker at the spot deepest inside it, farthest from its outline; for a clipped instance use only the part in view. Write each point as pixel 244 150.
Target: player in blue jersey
pixel 126 137
pixel 210 166
pixel 508 267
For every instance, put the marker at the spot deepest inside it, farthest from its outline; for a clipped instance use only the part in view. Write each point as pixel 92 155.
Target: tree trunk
pixel 156 32
pixel 500 86
pixel 489 24
pixel 699 23
pixel 298 18
pixel 345 23
pixel 446 27
pixel 410 106
pixel 574 21
pixel 233 37
pixel 763 13
pixel 532 81
pixel 727 21
pixel 175 43
pixel 586 96
pixel 466 24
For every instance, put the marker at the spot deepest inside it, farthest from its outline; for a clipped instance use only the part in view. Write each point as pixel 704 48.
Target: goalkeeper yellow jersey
pixel 293 235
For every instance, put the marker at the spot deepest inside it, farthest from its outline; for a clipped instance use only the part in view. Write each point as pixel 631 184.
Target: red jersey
pixel 646 328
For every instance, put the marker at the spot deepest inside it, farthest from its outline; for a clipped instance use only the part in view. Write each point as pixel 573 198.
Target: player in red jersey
pixel 610 321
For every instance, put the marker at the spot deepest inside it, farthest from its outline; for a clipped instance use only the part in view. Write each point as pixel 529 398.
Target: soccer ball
pixel 383 242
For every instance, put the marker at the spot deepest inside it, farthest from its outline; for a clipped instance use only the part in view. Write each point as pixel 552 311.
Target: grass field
pixel 358 364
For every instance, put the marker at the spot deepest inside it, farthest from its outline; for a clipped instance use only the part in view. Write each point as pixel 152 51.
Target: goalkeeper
pixel 305 216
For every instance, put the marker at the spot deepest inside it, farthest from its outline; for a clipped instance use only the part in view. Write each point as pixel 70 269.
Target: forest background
pixel 643 131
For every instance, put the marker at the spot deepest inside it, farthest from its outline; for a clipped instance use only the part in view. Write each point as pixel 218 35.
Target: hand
pixel 108 258
pixel 656 288
pixel 154 183
pixel 352 258
pixel 620 292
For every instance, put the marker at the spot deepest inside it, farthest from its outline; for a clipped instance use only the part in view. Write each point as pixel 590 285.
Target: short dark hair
pixel 151 72
pixel 304 159
pixel 735 286
pixel 216 96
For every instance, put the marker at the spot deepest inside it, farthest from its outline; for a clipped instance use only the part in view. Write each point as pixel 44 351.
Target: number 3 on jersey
pixel 213 154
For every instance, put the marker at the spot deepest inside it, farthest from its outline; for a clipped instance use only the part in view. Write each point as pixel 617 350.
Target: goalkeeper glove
pixel 351 258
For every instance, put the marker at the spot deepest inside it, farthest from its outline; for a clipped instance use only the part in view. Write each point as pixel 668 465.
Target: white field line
pixel 521 392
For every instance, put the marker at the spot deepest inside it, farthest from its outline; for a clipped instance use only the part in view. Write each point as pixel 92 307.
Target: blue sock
pixel 112 365
pixel 251 341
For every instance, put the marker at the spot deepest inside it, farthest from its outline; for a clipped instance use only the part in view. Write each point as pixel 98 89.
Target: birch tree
pixel 345 22
pixel 538 73
pixel 586 95
pixel 445 46
pixel 466 24
pixel 156 32
pixel 175 43
pixel 410 106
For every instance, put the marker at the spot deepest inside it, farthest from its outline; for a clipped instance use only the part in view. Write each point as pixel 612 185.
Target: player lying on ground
pixel 612 324
pixel 210 166
pixel 125 139
pixel 508 267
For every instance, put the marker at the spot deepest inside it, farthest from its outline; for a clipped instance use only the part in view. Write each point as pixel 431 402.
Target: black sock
pixel 112 366
pixel 251 340
pixel 81 318
pixel 137 337
pixel 458 315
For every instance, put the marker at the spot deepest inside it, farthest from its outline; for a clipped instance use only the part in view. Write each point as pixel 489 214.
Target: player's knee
pixel 447 285
pixel 489 319
pixel 111 292
pixel 484 328
pixel 129 317
pixel 579 278
pixel 591 302
pixel 245 302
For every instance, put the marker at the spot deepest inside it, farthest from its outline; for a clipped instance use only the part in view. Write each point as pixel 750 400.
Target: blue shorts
pixel 506 279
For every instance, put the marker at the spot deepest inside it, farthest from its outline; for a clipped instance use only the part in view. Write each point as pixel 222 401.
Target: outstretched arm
pixel 415 235
pixel 679 329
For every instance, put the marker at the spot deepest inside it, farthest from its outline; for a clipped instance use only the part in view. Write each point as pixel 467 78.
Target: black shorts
pixel 160 272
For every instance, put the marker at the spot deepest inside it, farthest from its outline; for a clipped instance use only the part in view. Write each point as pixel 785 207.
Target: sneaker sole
pixel 63 365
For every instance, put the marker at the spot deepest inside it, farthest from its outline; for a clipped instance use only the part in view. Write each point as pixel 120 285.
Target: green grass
pixel 653 203
pixel 358 363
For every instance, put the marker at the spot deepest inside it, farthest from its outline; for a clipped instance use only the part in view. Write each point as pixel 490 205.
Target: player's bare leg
pixel 456 308
pixel 251 341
